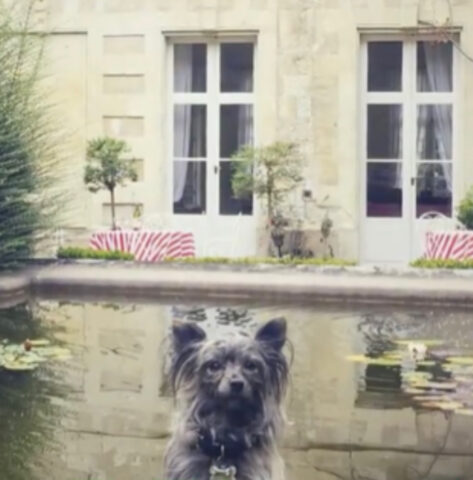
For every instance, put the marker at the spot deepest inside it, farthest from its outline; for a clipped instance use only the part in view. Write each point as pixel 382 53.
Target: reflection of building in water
pixel 119 422
pixel 331 417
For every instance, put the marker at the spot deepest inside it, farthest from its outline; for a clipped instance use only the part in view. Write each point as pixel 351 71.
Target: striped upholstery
pixel 456 244
pixel 146 245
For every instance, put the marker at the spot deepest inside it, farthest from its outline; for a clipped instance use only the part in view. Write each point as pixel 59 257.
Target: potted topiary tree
pixel 107 168
pixel 270 173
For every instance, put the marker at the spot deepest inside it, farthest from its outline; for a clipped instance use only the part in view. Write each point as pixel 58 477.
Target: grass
pixel 262 260
pixel 86 253
pixel 440 263
pixel 82 253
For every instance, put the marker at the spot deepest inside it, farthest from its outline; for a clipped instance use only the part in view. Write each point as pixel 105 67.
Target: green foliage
pixel 440 263
pixel 268 172
pixel 106 168
pixel 79 252
pixel 29 165
pixel 262 261
pixel 465 210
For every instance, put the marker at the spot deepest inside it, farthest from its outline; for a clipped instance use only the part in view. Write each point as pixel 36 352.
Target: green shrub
pixel 264 260
pixel 440 263
pixel 465 210
pixel 79 252
pixel 29 156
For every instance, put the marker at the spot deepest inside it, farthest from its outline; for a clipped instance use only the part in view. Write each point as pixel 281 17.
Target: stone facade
pixel 107 59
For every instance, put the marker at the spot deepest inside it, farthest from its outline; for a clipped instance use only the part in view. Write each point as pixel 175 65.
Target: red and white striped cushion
pixel 146 245
pixel 456 245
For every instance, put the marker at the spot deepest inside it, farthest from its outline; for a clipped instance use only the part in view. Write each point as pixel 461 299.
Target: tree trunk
pixel 112 205
pixel 270 206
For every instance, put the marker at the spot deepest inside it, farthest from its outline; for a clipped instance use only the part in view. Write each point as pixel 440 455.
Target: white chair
pixel 432 221
pixel 436 221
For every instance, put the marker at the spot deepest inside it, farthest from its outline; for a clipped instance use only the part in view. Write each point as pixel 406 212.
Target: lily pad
pixel 442 405
pixel 374 360
pixel 461 360
pixel 40 343
pixel 465 411
pixel 16 357
pixel 434 385
pixel 427 343
pixel 18 366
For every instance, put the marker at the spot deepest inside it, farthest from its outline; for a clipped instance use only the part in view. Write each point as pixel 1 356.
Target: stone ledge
pixel 274 283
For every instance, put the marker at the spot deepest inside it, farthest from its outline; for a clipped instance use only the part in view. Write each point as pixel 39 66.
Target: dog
pixel 229 394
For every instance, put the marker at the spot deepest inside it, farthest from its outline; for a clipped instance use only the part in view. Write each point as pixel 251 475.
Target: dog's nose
pixel 236 386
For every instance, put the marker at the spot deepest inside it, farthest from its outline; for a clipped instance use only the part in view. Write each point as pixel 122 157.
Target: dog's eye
pixel 214 366
pixel 251 366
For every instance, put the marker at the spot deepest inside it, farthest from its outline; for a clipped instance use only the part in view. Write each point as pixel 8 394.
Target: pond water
pixel 375 394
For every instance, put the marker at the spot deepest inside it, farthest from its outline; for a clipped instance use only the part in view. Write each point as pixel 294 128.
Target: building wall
pixel 307 85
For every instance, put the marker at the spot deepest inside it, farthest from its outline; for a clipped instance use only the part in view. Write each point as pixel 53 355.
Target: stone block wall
pixel 307 84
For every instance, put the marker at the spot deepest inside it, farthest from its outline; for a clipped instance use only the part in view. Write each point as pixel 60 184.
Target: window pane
pixel 189 191
pixel 190 131
pixel 434 188
pixel 384 66
pixel 384 131
pixel 384 192
pixel 236 128
pixel 229 204
pixel 190 68
pixel 236 67
pixel 434 132
pixel 434 67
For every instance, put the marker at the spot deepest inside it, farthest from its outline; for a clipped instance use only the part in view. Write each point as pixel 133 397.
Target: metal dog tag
pixel 222 473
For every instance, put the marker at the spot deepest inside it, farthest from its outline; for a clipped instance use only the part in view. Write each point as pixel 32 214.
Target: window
pixel 213 101
pixel 409 127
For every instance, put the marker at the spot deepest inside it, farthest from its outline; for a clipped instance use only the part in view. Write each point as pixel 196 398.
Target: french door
pixel 212 112
pixel 407 144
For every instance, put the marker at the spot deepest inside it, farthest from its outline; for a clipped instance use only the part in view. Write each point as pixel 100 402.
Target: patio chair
pixel 432 222
pixel 436 221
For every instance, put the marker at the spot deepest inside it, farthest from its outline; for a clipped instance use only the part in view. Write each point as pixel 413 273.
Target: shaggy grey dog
pixel 229 394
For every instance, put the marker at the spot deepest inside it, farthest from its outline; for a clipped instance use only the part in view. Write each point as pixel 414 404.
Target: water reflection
pixel 353 420
pixel 29 414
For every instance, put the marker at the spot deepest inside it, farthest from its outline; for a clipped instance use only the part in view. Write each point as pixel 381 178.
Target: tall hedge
pixel 29 166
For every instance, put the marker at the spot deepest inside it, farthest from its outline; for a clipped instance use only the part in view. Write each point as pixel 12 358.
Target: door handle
pixel 413 180
pixel 215 169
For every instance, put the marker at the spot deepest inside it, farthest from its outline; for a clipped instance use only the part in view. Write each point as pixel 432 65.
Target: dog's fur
pixel 231 392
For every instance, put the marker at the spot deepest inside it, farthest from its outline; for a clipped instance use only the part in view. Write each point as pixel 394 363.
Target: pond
pixel 375 394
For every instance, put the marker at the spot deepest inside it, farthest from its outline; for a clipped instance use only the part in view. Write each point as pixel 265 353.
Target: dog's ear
pixel 185 333
pixel 273 333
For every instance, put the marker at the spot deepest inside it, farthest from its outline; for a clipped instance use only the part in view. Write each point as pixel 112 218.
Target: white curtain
pixel 395 121
pixel 182 117
pixel 245 125
pixel 436 78
pixel 189 138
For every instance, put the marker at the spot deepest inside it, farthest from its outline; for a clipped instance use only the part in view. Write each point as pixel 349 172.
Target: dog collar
pixel 222 473
pixel 228 447
pixel 220 470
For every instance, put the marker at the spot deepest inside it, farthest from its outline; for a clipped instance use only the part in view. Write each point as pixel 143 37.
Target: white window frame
pixel 213 99
pixel 409 98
